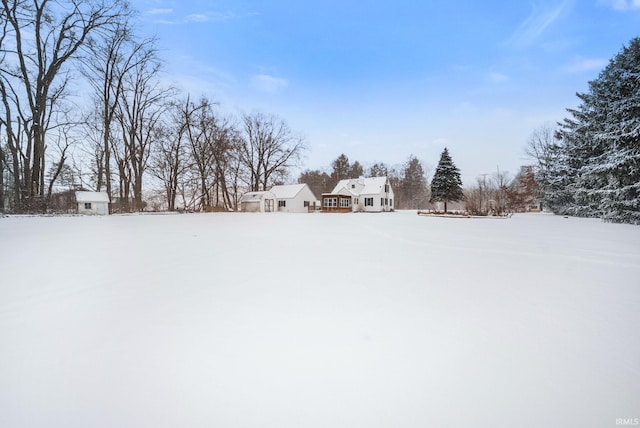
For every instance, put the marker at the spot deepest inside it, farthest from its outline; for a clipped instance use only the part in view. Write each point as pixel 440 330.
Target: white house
pixel 258 202
pixel 294 198
pixel 372 194
pixel 92 202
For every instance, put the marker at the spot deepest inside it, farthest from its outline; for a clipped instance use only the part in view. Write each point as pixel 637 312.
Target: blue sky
pixel 382 80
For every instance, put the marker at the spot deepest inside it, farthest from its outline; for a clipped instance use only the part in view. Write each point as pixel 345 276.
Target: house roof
pixel 287 191
pixel 85 196
pixel 370 185
pixel 341 191
pixel 373 185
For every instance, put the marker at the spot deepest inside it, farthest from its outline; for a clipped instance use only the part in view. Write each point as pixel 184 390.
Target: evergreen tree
pixel 414 185
pixel 341 168
pixel 597 163
pixel 319 182
pixel 356 170
pixel 378 170
pixel 446 184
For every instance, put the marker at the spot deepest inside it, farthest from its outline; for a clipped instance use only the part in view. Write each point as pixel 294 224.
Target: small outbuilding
pixel 258 202
pixel 94 203
pixel 294 198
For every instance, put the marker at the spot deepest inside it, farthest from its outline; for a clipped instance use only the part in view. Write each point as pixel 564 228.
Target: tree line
pixel 135 128
pixel 128 128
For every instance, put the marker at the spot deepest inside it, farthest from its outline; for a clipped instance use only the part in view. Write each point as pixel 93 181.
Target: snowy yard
pixel 327 321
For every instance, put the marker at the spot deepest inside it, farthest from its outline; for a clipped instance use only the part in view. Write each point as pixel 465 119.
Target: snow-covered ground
pixel 341 321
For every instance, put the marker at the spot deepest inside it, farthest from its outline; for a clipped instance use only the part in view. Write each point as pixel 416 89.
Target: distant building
pixel 372 194
pixel 92 202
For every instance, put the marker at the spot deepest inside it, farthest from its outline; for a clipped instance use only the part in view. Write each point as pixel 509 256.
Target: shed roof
pixel 256 196
pixel 86 196
pixel 287 191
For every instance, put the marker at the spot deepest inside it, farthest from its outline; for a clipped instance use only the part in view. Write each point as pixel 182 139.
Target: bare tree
pixel 540 146
pixel 213 144
pixel 62 143
pixel 112 58
pixel 169 158
pixel 269 149
pixel 142 104
pixel 501 181
pixel 45 39
pixel 2 170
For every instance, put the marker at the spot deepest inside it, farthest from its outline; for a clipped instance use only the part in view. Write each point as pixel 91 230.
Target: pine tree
pixel 319 181
pixel 446 184
pixel 379 170
pixel 414 185
pixel 340 168
pixel 597 164
pixel 356 170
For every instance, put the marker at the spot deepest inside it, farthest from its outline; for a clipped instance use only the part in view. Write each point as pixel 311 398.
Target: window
pixel 345 203
pixel 87 205
pixel 386 188
pixel 282 204
pixel 391 202
pixel 368 202
pixel 330 202
pixel 382 202
pixel 356 201
pixel 306 204
pixel 353 186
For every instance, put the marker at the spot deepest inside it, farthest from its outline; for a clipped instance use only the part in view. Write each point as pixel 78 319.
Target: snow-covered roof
pixel 341 191
pixel 346 184
pixel 363 186
pixel 287 191
pixel 373 185
pixel 85 196
pixel 256 196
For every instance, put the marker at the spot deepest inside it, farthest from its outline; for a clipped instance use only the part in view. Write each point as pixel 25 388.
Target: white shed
pixel 294 198
pixel 92 202
pixel 258 202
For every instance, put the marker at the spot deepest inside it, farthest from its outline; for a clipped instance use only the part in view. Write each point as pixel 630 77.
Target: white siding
pixel 296 204
pixel 292 198
pixel 97 208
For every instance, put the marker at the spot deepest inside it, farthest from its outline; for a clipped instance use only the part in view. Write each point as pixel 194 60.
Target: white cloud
pixel 580 65
pixel 537 23
pixel 622 5
pixel 159 11
pixel 192 17
pixel 496 77
pixel 197 17
pixel 268 83
pixel 210 16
